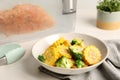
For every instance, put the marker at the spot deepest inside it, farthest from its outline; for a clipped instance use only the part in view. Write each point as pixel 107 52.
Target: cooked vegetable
pixel 109 5
pixel 64 54
pixel 64 51
pixel 79 63
pixel 77 41
pixel 41 58
pixel 51 56
pixel 76 52
pixel 64 62
pixel 56 50
pixel 91 55
pixel 61 42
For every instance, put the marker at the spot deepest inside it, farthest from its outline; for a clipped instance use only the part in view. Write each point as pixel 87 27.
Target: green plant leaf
pixel 109 5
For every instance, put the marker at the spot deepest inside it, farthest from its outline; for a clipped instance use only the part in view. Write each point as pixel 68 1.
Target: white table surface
pixel 27 68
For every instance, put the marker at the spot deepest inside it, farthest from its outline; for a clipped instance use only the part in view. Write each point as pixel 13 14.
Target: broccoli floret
pixel 41 58
pixel 64 62
pixel 79 63
pixel 76 52
pixel 74 41
pixel 77 41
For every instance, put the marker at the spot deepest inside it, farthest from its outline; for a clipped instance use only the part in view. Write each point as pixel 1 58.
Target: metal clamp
pixel 3 61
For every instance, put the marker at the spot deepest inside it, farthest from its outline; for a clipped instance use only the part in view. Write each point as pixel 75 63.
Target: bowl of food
pixel 70 53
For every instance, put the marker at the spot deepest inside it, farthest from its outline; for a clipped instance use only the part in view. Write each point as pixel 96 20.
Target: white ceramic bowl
pixel 43 43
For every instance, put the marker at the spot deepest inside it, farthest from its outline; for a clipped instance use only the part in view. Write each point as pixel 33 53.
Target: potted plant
pixel 108 14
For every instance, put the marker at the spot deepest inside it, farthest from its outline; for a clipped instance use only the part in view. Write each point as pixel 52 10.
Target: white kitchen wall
pixel 87 4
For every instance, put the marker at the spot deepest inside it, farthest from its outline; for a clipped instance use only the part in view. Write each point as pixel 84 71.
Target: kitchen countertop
pixel 27 68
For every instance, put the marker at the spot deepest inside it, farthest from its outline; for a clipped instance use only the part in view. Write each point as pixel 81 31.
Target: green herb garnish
pixel 109 5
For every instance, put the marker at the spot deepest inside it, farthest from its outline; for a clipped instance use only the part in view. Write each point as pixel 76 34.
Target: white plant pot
pixel 107 20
